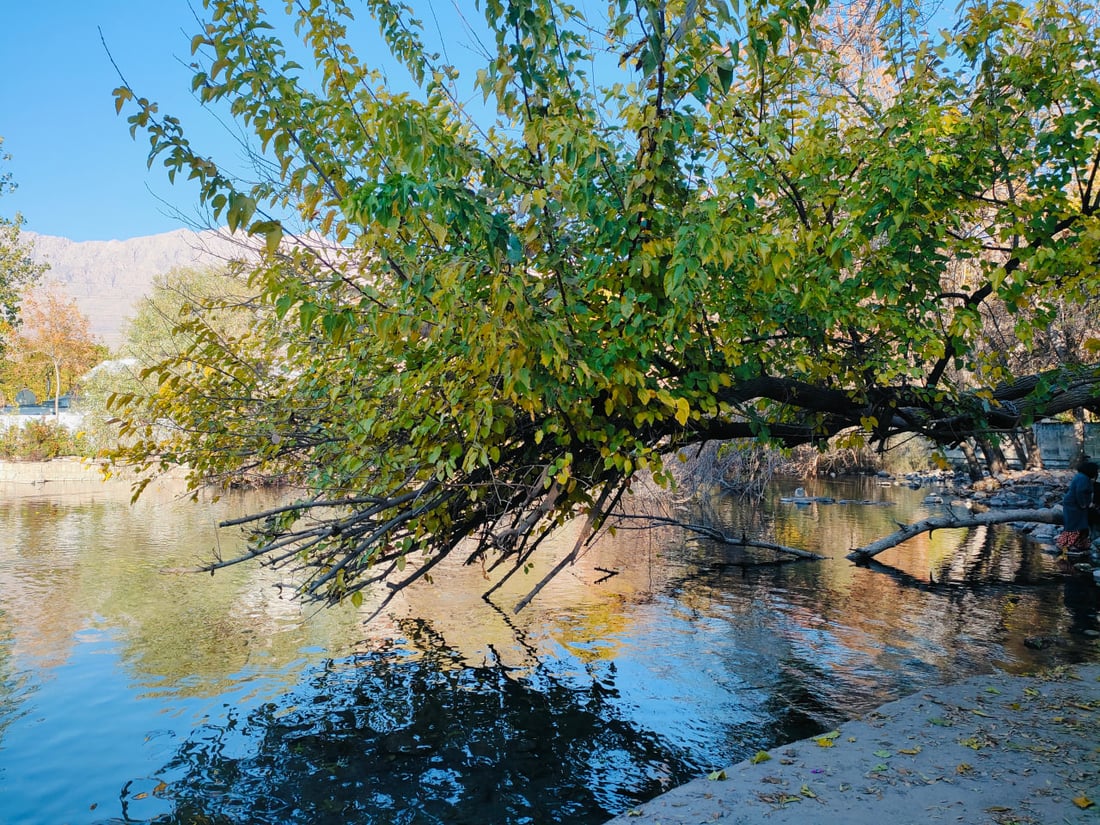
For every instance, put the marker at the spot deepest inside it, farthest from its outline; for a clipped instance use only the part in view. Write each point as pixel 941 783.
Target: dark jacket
pixel 1075 505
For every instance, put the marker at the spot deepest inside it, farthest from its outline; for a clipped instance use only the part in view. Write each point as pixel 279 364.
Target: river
pixel 133 692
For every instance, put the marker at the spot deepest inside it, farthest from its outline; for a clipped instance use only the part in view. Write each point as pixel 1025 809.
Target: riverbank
pixel 992 749
pixel 66 476
pixel 39 473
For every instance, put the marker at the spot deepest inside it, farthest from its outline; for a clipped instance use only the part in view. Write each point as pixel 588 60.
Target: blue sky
pixel 79 173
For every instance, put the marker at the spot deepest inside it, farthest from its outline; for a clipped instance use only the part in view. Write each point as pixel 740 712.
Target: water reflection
pixel 130 691
pixel 411 732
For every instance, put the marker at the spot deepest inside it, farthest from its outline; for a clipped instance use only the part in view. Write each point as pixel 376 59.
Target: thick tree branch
pixel 950 522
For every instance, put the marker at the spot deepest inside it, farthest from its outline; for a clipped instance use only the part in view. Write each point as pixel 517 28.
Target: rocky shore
pixel 1023 490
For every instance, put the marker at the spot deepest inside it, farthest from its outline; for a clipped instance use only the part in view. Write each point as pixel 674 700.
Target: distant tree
pixel 54 333
pixel 220 296
pixel 18 271
pixel 202 353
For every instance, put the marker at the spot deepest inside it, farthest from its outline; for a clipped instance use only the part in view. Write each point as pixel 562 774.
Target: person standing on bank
pixel 1076 507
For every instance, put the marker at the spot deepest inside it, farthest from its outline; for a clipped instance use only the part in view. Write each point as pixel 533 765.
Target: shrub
pixel 39 440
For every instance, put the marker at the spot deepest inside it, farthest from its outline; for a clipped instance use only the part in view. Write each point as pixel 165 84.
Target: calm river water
pixel 130 692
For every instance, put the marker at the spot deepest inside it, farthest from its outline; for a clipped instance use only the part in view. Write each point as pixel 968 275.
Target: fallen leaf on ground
pixel 910 751
pixel 716 776
pixel 761 756
pixel 1083 802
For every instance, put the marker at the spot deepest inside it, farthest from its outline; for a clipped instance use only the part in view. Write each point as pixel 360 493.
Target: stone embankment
pixel 20 479
pixel 39 473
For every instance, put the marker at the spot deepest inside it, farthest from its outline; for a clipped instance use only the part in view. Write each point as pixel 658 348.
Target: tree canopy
pixel 53 335
pixel 667 223
pixel 18 271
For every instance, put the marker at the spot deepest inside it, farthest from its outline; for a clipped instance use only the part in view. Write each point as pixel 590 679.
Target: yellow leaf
pixel 716 776
pixel 683 411
pixel 808 793
pixel 822 742
pixel 761 756
pixel 910 751
pixel 1083 802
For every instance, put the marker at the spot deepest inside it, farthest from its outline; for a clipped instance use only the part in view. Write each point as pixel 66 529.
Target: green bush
pixel 40 440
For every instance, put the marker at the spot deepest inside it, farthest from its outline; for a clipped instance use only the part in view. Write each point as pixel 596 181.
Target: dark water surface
pixel 132 692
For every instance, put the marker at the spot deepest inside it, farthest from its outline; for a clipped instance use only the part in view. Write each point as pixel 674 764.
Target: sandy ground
pixel 993 749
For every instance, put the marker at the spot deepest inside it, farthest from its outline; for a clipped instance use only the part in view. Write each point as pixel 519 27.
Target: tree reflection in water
pixel 410 733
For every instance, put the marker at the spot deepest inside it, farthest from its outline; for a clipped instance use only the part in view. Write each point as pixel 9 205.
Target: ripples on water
pixel 130 694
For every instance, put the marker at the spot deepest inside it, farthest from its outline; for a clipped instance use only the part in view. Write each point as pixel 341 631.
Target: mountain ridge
pixel 107 279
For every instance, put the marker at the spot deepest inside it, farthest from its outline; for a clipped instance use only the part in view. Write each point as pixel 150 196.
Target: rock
pixel 1042 642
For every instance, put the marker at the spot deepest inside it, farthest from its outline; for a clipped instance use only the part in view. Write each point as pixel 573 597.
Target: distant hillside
pixel 107 278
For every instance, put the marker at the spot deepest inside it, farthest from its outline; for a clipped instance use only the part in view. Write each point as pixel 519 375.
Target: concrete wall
pixel 1057 446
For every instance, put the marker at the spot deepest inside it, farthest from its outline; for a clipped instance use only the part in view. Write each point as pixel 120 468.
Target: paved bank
pixel 67 476
pixel 993 749
pixel 44 472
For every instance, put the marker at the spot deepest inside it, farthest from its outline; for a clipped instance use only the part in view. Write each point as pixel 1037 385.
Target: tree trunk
pixel 973 466
pixel 1078 438
pixel 994 457
pixel 1034 454
pixel 56 390
pixel 1018 448
pixel 1046 516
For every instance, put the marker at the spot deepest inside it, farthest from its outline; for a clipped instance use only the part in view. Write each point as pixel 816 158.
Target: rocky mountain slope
pixel 108 278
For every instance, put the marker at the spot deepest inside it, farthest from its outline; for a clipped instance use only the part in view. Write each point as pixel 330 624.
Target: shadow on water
pixel 410 733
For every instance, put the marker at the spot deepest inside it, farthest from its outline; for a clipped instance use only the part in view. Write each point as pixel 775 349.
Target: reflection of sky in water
pixel 129 691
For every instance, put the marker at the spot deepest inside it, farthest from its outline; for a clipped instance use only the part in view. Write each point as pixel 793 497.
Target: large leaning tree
pixel 656 224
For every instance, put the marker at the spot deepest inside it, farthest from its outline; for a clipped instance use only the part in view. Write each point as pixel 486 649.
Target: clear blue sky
pixel 79 173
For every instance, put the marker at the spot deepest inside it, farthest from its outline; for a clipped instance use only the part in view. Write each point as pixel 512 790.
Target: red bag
pixel 1073 540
